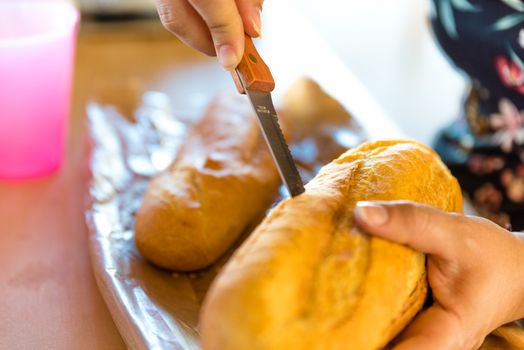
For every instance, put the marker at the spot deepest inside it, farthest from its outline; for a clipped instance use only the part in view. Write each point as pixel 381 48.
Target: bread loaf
pixel 222 180
pixel 311 108
pixel 308 279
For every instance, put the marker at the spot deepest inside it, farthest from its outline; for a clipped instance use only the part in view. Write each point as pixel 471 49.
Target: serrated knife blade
pixel 268 119
pixel 253 77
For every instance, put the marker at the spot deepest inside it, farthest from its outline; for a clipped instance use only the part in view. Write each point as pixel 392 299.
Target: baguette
pixel 222 180
pixel 308 279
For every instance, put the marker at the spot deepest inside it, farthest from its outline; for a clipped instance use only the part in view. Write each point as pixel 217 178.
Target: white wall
pixel 389 47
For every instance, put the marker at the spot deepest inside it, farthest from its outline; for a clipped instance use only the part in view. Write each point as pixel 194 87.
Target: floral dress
pixel 484 148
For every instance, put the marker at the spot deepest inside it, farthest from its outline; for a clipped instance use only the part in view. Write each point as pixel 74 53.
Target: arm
pixel 474 270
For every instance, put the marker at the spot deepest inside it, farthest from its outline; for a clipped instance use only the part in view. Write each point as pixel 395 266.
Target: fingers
pixel 423 228
pixel 251 14
pixel 181 19
pixel 222 17
pixel 215 27
pixel 435 329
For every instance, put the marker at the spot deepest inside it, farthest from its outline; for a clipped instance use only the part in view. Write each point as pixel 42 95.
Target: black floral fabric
pixel 484 148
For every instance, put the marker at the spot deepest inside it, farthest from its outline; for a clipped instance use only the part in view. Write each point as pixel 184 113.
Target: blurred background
pixel 388 45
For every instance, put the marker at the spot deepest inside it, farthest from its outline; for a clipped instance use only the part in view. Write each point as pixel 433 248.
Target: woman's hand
pixel 214 27
pixel 474 270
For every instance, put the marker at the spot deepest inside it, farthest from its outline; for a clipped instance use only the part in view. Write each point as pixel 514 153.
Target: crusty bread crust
pixel 308 279
pixel 222 180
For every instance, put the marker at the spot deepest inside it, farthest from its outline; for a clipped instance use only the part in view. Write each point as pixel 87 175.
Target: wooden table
pixel 48 296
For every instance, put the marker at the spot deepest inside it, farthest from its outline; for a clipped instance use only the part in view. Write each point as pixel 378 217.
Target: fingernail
pixel 371 213
pixel 227 57
pixel 257 23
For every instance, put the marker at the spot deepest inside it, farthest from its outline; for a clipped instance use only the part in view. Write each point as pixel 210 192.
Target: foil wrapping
pixel 154 308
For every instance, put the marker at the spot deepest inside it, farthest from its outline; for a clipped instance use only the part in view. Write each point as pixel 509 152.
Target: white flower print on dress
pixel 521 38
pixel 509 125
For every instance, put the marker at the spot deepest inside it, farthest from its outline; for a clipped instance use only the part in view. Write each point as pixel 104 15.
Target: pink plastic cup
pixel 37 44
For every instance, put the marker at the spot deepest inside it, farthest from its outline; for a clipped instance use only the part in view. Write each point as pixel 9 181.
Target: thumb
pixel 226 28
pixel 421 227
pixel 433 329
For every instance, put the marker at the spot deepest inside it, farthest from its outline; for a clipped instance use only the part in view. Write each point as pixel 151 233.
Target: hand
pixel 474 271
pixel 214 27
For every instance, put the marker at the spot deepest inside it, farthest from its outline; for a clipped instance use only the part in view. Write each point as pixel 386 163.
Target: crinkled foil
pixel 153 308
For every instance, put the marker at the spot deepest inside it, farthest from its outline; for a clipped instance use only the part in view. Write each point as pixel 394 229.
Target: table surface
pixel 49 299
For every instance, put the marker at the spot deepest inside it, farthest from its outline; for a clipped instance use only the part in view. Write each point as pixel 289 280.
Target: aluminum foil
pixel 154 308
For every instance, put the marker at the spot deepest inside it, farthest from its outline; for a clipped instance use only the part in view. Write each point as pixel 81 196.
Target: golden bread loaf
pixel 308 279
pixel 310 107
pixel 222 180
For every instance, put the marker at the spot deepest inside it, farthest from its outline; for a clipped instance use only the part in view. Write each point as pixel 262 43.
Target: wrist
pixel 520 278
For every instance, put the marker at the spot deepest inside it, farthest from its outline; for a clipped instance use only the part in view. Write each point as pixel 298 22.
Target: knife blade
pixel 253 77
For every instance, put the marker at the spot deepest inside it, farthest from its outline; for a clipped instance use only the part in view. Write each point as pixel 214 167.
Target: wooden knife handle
pixel 252 71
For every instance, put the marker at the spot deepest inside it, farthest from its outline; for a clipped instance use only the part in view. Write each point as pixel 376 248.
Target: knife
pixel 253 77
